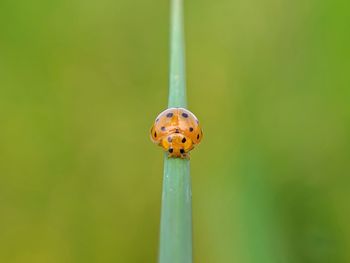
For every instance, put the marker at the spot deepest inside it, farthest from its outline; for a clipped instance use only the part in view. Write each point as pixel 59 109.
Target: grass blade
pixel 177 78
pixel 176 217
pixel 176 214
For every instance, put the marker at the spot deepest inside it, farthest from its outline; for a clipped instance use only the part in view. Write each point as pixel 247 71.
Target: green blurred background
pixel 82 81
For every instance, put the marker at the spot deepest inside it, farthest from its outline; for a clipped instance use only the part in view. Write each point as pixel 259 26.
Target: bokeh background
pixel 81 83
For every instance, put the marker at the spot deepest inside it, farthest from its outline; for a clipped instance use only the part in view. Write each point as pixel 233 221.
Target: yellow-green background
pixel 82 81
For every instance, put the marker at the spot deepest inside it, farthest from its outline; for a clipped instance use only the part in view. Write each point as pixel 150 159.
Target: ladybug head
pixel 177 144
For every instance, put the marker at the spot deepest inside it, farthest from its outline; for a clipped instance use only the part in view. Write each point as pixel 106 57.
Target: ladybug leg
pixel 185 156
pixel 171 155
pixel 182 156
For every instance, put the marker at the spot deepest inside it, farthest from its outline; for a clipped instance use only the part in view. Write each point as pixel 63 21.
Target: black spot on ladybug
pixel 155 134
pixel 170 114
pixel 182 151
pixel 197 136
pixel 183 140
pixel 197 121
pixel 191 129
pixel 170 139
pixel 171 150
pixel 157 119
pixel 163 128
pixel 177 131
pixel 185 115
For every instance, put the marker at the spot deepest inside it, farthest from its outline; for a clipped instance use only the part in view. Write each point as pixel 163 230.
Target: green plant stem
pixel 176 215
pixel 177 78
pixel 176 218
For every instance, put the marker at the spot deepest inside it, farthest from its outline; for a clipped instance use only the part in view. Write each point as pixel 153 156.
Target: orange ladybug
pixel 177 131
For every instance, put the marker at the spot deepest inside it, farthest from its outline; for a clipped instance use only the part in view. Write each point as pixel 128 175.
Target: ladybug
pixel 177 131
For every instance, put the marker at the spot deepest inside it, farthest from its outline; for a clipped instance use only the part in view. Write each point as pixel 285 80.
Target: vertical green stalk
pixel 177 78
pixel 176 215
